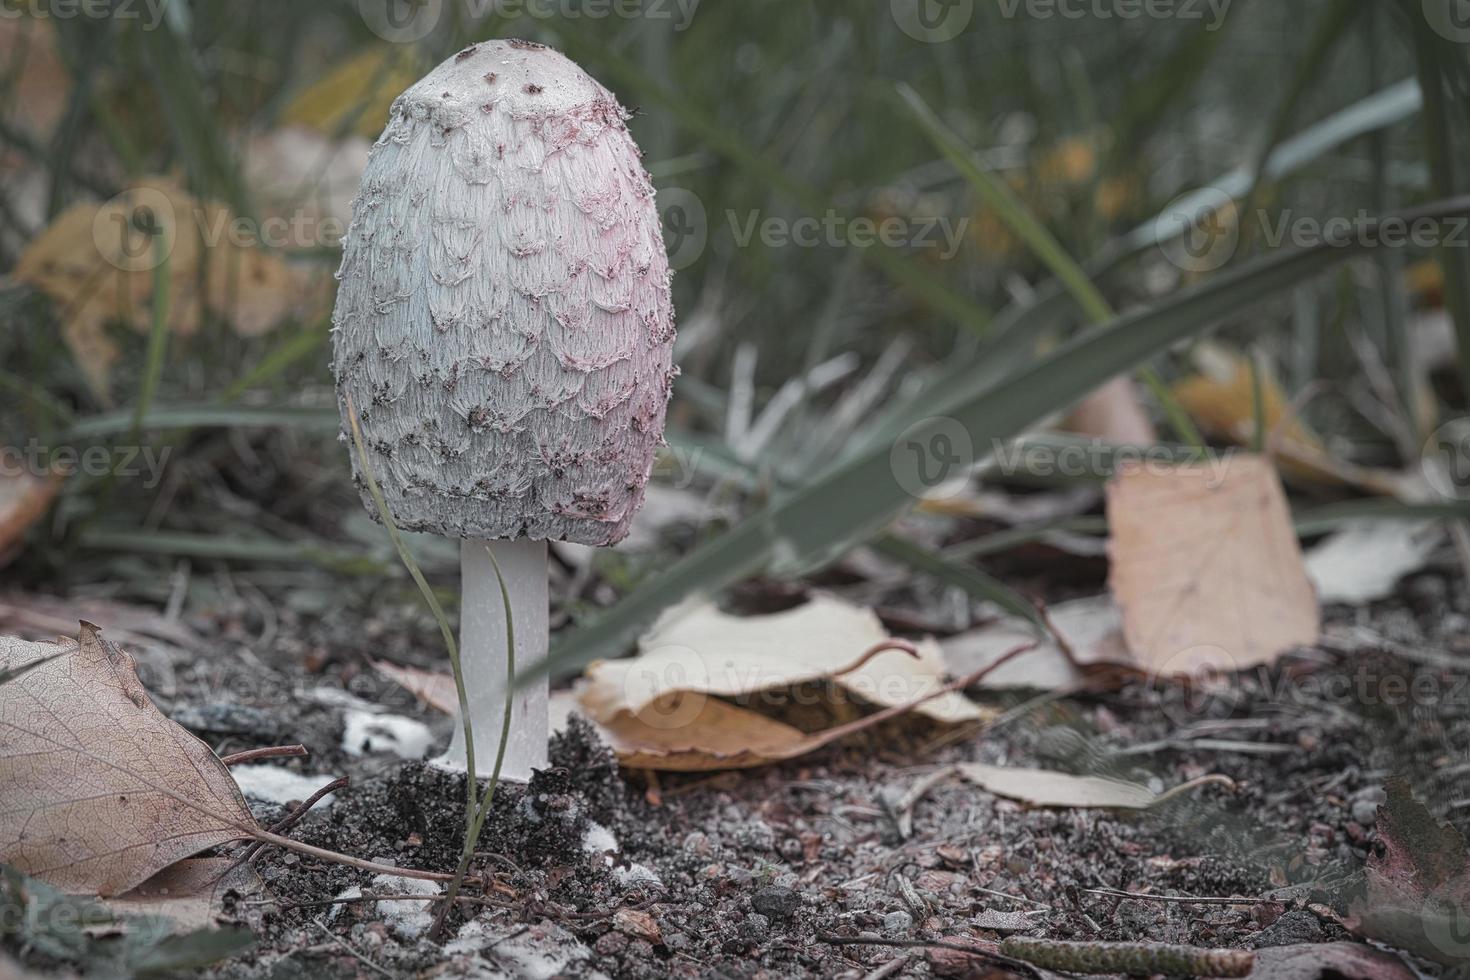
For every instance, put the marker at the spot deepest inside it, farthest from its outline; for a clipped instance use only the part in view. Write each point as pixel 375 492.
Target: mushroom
pixel 505 331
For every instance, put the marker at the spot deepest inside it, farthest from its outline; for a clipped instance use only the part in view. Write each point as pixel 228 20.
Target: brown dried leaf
pixel 24 500
pixel 1329 961
pixel 1418 887
pixel 101 790
pixel 1206 566
pixel 430 688
pixel 661 709
pixel 1114 413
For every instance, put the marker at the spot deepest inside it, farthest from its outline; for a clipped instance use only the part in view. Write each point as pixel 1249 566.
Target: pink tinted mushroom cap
pixel 504 325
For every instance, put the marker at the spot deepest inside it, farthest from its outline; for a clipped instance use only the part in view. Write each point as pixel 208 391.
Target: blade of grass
pixel 855 500
pixel 1439 137
pixel 1014 213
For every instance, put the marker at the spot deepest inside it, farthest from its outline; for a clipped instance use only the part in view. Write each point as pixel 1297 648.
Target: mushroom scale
pixel 504 324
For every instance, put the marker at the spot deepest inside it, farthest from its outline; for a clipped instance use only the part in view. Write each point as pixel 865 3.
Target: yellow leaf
pixel 98 262
pixel 356 93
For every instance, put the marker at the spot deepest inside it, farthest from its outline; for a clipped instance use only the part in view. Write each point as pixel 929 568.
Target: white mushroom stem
pixel 482 633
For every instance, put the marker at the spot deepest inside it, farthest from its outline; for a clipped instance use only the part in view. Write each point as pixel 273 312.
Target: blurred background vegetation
pixel 1054 148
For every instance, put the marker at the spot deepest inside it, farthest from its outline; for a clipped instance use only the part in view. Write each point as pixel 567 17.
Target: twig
pixel 888 969
pixel 1135 959
pixel 820 739
pixel 349 947
pixel 1184 787
pixel 892 643
pixel 1183 899
pixel 289 820
pixel 977 951
pixel 273 752
pixel 354 899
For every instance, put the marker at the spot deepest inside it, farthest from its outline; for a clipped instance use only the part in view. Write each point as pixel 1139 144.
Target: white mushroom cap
pixel 503 323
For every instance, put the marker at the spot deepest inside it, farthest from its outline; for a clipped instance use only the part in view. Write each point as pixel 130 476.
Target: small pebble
pixel 775 902
pixel 897 923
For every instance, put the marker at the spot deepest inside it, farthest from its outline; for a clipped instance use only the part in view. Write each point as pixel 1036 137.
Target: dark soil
pixel 755 873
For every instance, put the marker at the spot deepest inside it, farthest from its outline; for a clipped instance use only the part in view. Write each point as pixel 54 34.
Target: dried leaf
pixel 688 732
pixel 1092 627
pixel 24 500
pixel 1206 567
pixel 1114 413
pixel 187 893
pixel 1042 787
pixel 102 791
pixel 1222 400
pixel 661 709
pixel 97 264
pixel 638 924
pixel 430 688
pixel 1329 961
pixel 1418 887
pixel 1365 560
pixel 696 647
pixel 356 94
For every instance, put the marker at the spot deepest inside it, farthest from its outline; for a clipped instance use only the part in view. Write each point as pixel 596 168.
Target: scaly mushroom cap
pixel 503 323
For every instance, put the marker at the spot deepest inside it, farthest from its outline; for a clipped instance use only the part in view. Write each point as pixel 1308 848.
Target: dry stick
pixel 1136 959
pixel 1183 899
pixel 273 752
pixel 892 643
pixel 289 821
pixel 359 956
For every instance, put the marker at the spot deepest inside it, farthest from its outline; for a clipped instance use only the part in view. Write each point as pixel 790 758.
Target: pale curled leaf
pixel 1044 787
pixel 696 647
pixel 1206 566
pixel 101 790
pixel 662 709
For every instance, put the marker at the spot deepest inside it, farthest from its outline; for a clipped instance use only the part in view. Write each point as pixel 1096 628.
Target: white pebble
pixel 406 918
pixel 365 733
pixel 275 784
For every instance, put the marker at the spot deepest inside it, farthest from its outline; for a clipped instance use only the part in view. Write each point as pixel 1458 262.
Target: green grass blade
pixel 1014 213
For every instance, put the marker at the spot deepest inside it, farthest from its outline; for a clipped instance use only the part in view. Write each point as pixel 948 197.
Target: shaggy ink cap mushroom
pixel 504 324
